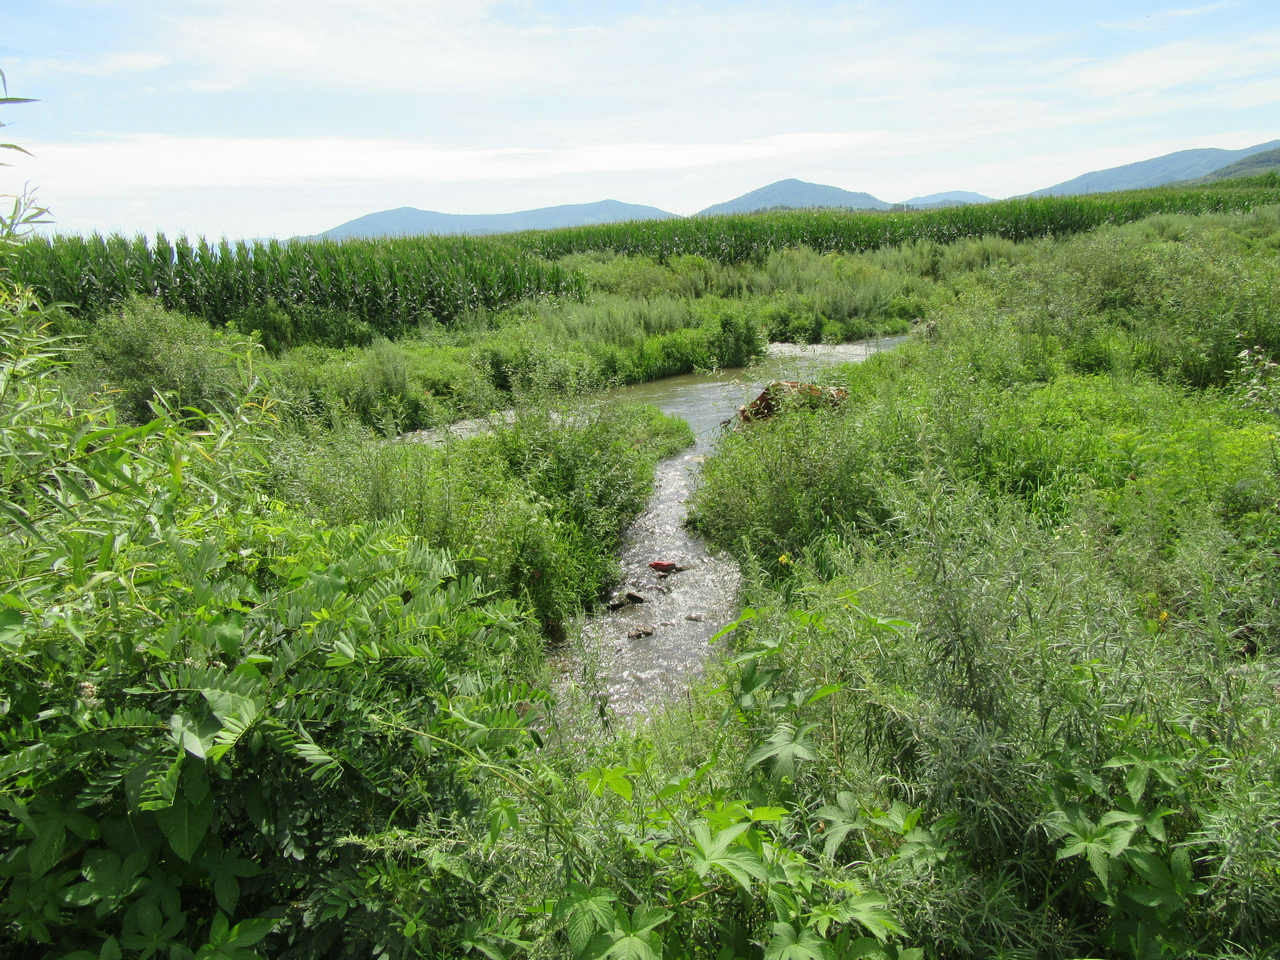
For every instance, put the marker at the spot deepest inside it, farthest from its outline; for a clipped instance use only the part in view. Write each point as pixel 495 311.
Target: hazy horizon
pixel 278 118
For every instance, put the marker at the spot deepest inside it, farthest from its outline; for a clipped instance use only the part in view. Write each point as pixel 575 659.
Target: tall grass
pixel 1066 496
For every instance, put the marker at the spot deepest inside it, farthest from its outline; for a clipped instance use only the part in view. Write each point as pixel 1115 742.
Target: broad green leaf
pixel 10 623
pixel 768 814
pixel 231 705
pixel 748 614
pixel 645 918
pixel 900 818
pixel 631 937
pixel 871 910
pixel 721 853
pixel 788 943
pixel 194 736
pixel 785 747
pixel 225 869
pixel 248 932
pixel 823 692
pixel 50 827
pixel 228 631
pixel 842 818
pixel 585 911
pixel 598 779
pixel 186 823
pixel 504 813
pixel 107 880
pixel 1163 893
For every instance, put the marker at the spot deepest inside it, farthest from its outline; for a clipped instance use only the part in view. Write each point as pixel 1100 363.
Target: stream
pixel 647 648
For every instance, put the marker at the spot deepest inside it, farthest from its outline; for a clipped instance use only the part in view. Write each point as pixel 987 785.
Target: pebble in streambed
pixel 647 650
pixel 653 638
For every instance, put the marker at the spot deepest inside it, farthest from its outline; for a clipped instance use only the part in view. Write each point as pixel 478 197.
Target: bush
pixel 280 330
pixel 1072 708
pixel 542 500
pixel 146 352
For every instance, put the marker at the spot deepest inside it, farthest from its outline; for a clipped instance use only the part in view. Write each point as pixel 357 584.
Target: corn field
pixel 742 237
pixel 399 282
pixel 390 283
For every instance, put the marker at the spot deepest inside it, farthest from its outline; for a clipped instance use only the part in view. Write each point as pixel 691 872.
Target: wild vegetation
pixel 1068 497
pixel 275 681
pixel 334 293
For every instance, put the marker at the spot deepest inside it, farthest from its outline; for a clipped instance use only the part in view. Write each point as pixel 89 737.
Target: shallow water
pixel 648 651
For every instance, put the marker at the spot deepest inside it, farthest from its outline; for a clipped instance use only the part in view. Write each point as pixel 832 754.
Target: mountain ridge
pixel 952 198
pixel 1155 172
pixel 1183 167
pixel 796 194
pixel 1253 165
pixel 410 221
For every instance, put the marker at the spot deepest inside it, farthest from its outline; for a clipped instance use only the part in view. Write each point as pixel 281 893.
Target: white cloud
pixel 1180 63
pixel 486 106
pixel 105 64
pixel 156 162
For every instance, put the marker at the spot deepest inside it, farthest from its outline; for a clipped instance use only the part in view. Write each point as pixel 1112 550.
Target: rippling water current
pixel 650 647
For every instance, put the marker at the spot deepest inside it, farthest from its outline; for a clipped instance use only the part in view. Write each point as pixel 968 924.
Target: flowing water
pixel 648 647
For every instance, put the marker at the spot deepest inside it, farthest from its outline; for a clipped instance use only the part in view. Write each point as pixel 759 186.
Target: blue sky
pixel 280 117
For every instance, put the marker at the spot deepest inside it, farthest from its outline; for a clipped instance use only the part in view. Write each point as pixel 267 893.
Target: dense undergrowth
pixel 1071 493
pixel 642 321
pixel 274 685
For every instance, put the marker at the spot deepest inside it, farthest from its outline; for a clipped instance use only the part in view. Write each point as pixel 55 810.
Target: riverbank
pixel 1003 684
pixel 1024 584
pixel 636 653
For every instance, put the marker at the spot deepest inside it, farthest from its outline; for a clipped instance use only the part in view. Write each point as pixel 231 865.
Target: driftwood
pixel 776 394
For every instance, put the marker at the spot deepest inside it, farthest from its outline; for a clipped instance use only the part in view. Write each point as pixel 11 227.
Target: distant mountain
pixel 1251 166
pixel 796 194
pixel 956 198
pixel 1183 165
pixel 407 221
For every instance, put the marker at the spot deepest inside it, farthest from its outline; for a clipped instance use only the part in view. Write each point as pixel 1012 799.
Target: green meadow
pixel 278 679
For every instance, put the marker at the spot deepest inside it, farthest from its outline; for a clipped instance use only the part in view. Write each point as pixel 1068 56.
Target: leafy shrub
pixel 542 501
pixel 279 329
pixel 1074 702
pixel 146 352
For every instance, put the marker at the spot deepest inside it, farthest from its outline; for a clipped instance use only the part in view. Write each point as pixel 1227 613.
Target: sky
pixel 255 118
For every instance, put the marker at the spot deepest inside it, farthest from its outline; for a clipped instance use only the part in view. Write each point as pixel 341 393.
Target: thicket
pixel 274 685
pixel 1068 496
pixel 642 321
pixel 231 728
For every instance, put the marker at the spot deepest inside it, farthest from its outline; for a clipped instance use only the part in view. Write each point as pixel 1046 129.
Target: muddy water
pixel 650 646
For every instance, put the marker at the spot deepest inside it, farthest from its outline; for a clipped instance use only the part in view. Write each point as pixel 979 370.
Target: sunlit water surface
pixel 644 652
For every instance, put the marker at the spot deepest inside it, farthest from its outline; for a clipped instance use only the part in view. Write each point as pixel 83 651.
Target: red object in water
pixel 665 566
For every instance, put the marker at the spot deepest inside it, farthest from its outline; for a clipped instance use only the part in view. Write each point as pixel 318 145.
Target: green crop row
pixel 390 283
pixel 747 237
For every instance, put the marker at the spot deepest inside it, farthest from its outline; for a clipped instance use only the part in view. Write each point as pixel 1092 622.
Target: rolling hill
pixel 796 194
pixel 955 198
pixel 1171 168
pixel 1251 166
pixel 408 221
